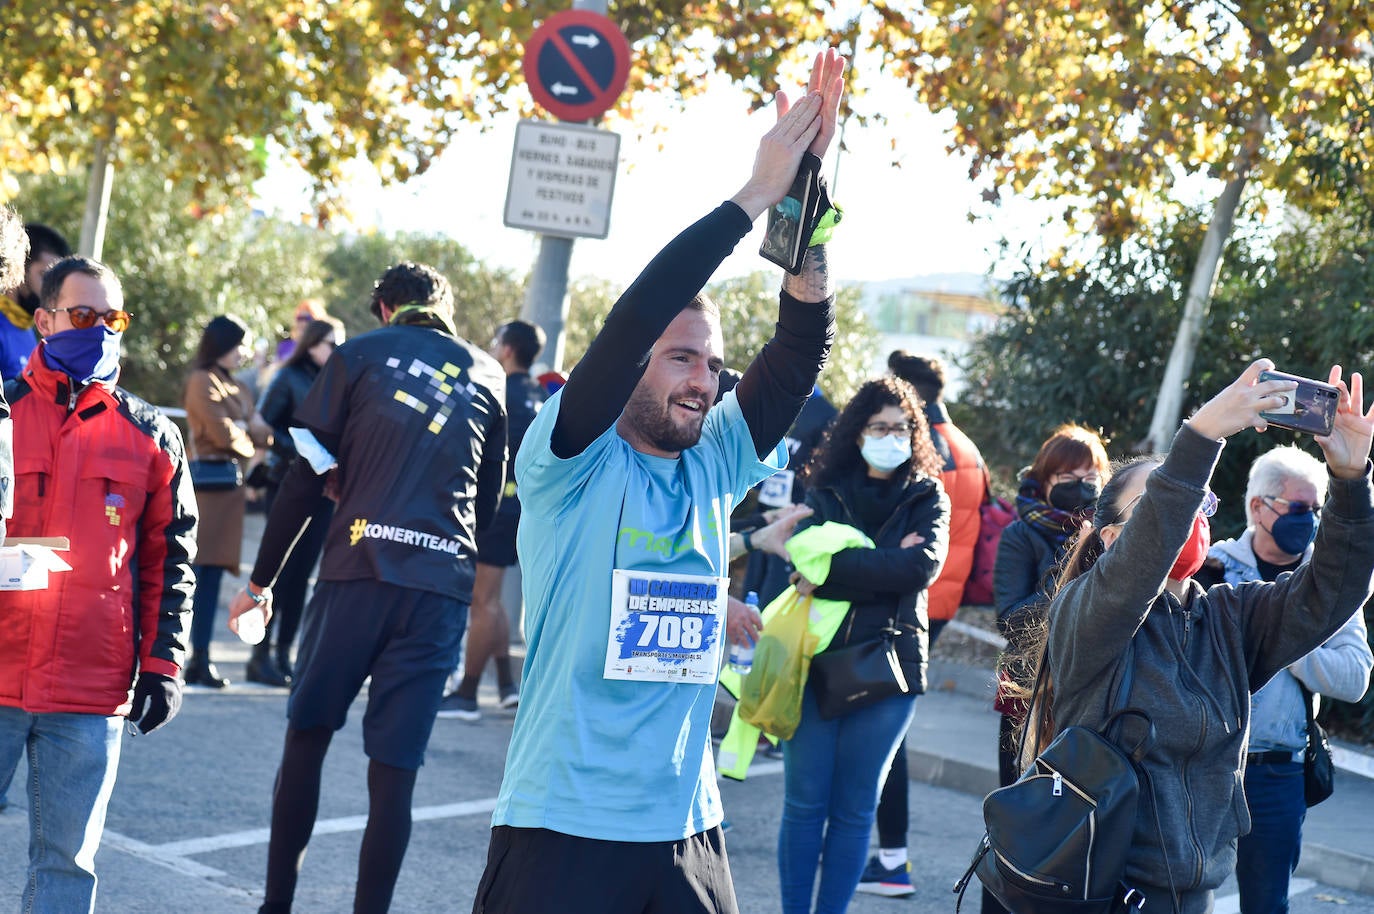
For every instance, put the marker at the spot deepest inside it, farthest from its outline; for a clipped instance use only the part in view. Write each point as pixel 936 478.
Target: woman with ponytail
pixel 1197 655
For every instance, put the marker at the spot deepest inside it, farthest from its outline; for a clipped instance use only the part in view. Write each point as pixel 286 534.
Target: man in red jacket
pixel 107 471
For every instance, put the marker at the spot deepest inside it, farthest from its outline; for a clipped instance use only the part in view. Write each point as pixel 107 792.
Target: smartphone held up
pixel 1311 408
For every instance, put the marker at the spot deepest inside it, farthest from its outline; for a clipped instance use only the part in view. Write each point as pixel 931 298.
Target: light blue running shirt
pixel 600 758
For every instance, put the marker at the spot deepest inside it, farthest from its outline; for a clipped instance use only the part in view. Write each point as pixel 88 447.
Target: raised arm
pixel 601 384
pixel 776 384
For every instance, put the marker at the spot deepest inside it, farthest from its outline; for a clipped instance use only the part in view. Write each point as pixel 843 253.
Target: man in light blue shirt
pixel 627 478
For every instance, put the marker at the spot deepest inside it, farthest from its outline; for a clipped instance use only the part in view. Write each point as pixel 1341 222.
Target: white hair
pixel 1272 469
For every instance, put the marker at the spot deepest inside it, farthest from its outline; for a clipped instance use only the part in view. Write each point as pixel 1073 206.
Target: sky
pixel 899 221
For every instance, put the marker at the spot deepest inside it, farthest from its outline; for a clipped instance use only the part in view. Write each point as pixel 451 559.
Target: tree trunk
pixel 1169 403
pixel 97 201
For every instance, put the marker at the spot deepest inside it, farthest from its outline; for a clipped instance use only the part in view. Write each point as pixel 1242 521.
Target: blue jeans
pixel 834 770
pixel 72 763
pixel 203 606
pixel 1267 856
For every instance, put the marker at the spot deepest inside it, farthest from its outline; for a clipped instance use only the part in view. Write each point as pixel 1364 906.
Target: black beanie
pixel 222 335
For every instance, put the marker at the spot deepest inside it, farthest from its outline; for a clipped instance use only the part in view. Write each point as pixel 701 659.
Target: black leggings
pixel 295 804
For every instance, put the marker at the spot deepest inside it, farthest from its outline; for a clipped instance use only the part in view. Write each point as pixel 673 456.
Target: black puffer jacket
pixel 278 406
pixel 886 582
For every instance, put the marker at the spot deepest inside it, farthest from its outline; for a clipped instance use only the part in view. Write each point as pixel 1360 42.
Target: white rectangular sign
pixel 562 177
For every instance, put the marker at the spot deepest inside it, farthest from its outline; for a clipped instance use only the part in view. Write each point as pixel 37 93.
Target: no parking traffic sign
pixel 577 64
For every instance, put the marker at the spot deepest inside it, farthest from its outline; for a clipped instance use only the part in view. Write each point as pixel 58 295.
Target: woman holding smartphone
pixel 1196 655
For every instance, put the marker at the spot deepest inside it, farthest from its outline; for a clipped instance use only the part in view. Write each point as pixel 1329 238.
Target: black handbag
pixel 1318 770
pixel 215 475
pixel 856 676
pixel 1058 838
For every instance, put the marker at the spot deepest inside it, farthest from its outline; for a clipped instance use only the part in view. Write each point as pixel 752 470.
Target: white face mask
pixel 886 453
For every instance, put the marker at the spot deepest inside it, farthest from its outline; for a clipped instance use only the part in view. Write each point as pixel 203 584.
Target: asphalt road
pixel 187 828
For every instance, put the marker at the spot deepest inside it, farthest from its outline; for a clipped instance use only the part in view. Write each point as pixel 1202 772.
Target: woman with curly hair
pixel 877 471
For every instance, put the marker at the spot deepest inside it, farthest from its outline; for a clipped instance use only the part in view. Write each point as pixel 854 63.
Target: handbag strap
pixel 1307 707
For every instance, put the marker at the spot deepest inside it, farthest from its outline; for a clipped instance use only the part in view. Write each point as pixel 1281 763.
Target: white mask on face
pixel 886 453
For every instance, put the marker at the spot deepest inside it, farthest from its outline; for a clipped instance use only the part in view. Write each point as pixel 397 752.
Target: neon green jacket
pixel 810 551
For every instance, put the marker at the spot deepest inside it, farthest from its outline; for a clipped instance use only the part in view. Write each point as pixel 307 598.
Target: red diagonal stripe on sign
pixel 593 87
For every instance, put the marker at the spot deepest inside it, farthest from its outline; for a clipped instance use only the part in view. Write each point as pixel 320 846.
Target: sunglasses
pixel 83 317
pixel 1294 507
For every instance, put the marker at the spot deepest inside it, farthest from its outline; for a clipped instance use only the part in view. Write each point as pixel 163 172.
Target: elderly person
pixel 1283 502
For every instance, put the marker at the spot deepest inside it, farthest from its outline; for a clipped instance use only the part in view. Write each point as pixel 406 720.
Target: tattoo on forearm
pixel 813 283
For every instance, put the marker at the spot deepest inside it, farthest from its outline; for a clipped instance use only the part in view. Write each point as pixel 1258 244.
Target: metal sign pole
pixel 546 299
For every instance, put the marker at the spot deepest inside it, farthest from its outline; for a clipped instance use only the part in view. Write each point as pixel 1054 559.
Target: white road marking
pixel 977 634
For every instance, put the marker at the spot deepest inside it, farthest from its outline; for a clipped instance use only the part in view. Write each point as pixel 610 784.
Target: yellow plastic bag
pixel 770 696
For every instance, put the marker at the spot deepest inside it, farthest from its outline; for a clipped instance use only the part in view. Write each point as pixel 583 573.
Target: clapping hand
pixel 806 125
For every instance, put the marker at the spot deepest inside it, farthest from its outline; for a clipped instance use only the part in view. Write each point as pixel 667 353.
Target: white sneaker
pixel 456 707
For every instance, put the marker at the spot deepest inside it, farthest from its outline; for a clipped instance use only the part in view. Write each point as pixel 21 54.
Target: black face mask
pixel 1074 496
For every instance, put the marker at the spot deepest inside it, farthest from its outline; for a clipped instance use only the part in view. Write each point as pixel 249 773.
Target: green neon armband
pixel 826 226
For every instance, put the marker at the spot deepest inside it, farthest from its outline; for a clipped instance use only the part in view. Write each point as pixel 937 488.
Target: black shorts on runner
pixel 496 543
pixel 537 871
pixel 406 640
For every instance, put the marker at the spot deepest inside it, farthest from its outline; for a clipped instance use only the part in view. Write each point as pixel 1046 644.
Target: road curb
pixel 1331 866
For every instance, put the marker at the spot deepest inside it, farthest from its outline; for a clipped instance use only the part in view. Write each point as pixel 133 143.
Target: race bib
pixel 776 490
pixel 665 627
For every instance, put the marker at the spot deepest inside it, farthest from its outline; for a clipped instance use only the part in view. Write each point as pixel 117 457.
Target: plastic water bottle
pixel 742 658
pixel 252 626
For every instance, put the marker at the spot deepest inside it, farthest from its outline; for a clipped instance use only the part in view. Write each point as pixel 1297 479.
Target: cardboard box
pixel 26 563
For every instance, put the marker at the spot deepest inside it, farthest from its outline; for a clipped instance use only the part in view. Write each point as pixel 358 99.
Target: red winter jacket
pixel 965 483
pixel 106 470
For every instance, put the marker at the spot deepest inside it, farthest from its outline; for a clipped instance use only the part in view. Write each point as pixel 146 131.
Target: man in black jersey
pixel 415 419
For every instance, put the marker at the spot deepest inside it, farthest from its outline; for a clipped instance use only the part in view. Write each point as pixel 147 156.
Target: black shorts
pixel 537 871
pixel 496 544
pixel 406 640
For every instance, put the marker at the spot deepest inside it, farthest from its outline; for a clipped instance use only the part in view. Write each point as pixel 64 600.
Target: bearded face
pixel 664 415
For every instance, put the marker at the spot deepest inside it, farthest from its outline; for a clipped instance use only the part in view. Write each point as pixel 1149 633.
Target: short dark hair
pixel 524 339
pixel 703 303
pixel 44 239
pixel 411 283
pixel 14 250
pixel 57 275
pixel 925 373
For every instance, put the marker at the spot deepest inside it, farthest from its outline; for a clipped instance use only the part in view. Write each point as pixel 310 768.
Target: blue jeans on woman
pixel 73 759
pixel 1267 856
pixel 833 772
pixel 203 607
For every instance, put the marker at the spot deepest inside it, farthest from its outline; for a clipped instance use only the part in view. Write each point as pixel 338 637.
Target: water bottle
pixel 742 658
pixel 251 627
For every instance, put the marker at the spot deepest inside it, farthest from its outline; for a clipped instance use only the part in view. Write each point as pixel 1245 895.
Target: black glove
pixel 157 699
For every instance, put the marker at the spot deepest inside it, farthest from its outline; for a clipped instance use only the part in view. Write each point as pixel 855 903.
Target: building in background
pixel 939 315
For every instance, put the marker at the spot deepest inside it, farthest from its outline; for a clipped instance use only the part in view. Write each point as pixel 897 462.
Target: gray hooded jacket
pixel 1197 661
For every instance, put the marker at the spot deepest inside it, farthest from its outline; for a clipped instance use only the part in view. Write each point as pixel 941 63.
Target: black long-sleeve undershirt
pixel 775 385
pixel 297 496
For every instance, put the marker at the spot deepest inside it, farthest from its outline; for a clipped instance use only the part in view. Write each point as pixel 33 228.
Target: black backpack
pixel 1057 839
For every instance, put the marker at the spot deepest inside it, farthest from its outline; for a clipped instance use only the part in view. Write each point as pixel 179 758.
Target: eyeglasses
pixel 1209 505
pixel 83 317
pixel 882 429
pixel 1294 507
pixel 1091 479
